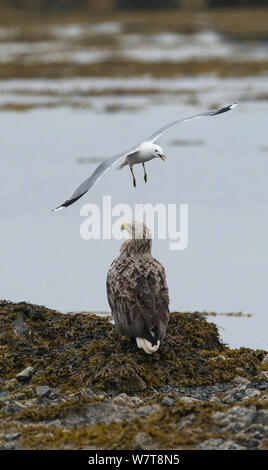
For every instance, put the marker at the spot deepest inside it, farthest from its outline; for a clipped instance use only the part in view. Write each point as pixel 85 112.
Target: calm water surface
pixel 223 179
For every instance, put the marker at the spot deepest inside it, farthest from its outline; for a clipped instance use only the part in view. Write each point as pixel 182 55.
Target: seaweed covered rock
pixel 67 349
pixel 71 382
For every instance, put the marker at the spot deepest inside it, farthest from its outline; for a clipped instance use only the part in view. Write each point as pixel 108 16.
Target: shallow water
pixel 223 180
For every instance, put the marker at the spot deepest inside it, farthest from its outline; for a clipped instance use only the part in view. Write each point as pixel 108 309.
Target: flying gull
pixel 141 153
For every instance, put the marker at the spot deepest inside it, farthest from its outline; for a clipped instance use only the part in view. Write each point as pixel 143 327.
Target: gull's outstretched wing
pixel 96 175
pixel 165 128
pixel 112 161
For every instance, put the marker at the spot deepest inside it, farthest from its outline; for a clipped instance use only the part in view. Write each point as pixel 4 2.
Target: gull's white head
pixel 149 150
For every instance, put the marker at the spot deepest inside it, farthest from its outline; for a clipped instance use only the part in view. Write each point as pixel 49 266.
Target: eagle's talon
pixel 125 338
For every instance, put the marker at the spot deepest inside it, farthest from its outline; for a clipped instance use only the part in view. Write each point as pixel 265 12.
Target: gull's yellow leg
pixel 134 180
pixel 145 174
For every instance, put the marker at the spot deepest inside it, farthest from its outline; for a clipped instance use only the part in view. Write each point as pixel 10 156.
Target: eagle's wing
pixel 138 296
pixel 165 128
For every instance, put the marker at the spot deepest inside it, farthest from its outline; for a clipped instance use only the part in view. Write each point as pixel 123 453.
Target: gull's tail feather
pixel 124 163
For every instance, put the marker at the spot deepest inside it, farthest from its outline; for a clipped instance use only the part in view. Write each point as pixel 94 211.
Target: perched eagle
pixel 137 290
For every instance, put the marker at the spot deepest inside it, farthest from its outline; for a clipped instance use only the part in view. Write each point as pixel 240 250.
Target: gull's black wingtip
pixel 57 208
pixel 226 108
pixel 67 203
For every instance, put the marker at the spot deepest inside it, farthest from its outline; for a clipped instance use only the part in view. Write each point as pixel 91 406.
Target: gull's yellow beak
pixel 163 157
pixel 123 227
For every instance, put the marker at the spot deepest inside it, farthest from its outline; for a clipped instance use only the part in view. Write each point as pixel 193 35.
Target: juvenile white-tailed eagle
pixel 137 290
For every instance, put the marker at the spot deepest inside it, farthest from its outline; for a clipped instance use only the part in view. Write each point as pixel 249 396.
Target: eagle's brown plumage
pixel 137 290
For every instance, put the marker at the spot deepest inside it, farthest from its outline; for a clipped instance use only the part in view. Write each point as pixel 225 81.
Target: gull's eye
pixel 155 150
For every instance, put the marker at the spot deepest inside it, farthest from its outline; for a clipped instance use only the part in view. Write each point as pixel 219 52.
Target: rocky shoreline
pixel 70 382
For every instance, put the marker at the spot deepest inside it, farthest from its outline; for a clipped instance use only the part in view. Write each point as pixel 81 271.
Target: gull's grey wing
pixel 96 175
pixel 165 128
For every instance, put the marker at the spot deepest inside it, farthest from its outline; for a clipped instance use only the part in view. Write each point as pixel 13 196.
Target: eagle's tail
pixel 147 346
